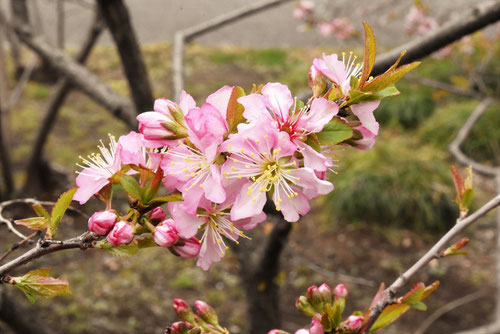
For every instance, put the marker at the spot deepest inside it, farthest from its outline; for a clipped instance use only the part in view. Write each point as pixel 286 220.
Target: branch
pixel 445 86
pixel 479 17
pixel 190 33
pixel 7 178
pixel 464 131
pixel 433 253
pixel 78 75
pixel 84 241
pixel 63 88
pixel 118 20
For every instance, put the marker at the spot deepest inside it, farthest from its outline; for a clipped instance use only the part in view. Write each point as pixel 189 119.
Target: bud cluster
pixel 203 320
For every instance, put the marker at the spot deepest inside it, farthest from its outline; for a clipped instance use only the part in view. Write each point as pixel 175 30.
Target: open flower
pixel 96 171
pixel 264 158
pixel 194 168
pixel 339 72
pixel 276 106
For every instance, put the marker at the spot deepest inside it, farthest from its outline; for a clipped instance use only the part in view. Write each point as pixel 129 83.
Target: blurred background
pixel 389 204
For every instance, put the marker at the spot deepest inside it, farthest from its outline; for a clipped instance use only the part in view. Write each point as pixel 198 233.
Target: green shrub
pixel 408 109
pixel 398 183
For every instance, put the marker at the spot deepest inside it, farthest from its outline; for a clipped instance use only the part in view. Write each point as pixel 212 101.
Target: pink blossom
pixel 165 234
pixel 340 291
pixel 264 158
pixel 368 141
pixel 164 125
pixel 122 233
pixel 132 150
pixel 191 248
pixel 316 328
pixel 339 72
pixel 193 169
pixel 276 106
pixel 325 28
pixel 354 321
pixel 158 214
pixel 102 221
pixel 96 171
pixel 211 218
pixel 364 112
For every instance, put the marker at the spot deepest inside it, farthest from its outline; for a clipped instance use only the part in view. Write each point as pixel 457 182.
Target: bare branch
pixel 78 75
pixel 454 147
pixel 190 33
pixel 448 308
pixel 481 16
pixel 119 23
pixel 433 253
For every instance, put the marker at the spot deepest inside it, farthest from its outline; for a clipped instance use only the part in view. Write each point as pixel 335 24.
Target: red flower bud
pixel 340 291
pixel 206 312
pixel 191 248
pixel 158 215
pixel 325 293
pixel 354 321
pixel 165 234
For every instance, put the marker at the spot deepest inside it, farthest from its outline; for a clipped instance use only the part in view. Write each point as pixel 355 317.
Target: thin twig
pixel 433 253
pixel 464 131
pixel 17 244
pixel 84 241
pixel 447 308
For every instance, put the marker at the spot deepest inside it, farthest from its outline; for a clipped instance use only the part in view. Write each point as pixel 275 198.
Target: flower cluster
pixel 221 161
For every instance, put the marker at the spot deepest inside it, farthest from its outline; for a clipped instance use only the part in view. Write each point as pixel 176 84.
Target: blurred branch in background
pixel 184 36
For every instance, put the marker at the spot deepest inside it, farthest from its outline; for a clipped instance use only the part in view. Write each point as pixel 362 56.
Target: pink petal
pixel 88 185
pixel 209 252
pixel 213 186
pixel 255 108
pixel 279 99
pixel 313 159
pixel 311 185
pixel 161 106
pixel 186 102
pixel 245 206
pixel 364 111
pixel 291 208
pixel 186 225
pixel 220 99
pixel 322 111
pixel 335 69
pixel 130 148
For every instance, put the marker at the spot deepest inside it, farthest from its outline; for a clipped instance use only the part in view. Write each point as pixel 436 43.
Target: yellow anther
pixel 254 199
pixel 239 176
pixel 250 188
pixel 172 163
pixel 201 185
pixel 265 137
pixel 235 160
pixel 232 168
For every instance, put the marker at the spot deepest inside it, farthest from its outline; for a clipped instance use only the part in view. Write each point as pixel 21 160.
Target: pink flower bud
pixel 206 312
pixel 165 234
pixel 121 234
pixel 316 327
pixel 158 214
pixel 315 298
pixel 325 293
pixel 340 291
pixel 277 331
pixel 317 81
pixel 191 248
pixel 183 310
pixel 180 327
pixel 354 321
pixel 102 221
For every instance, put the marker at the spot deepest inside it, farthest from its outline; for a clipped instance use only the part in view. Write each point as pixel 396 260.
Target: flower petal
pixel 313 159
pixel 364 111
pixel 279 99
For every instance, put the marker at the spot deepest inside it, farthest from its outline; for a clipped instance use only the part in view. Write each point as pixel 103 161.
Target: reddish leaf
pixel 370 52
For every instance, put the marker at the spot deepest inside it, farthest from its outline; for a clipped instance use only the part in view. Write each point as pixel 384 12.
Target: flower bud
pixel 158 215
pixel 277 331
pixel 165 234
pixel 183 310
pixel 317 81
pixel 180 327
pixel 102 221
pixel 206 312
pixel 315 298
pixel 304 306
pixel 121 234
pixel 195 330
pixel 354 321
pixel 191 248
pixel 316 327
pixel 325 293
pixel 340 291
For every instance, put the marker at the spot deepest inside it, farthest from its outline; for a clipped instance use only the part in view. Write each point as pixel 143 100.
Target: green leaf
pixel 390 77
pixel 154 186
pixel 58 211
pixel 419 306
pixel 467 196
pixel 414 295
pixel 40 211
pixel 122 250
pixel 388 315
pixel 132 187
pixel 312 140
pixel 37 283
pixel 34 223
pixel 370 52
pixel 173 197
pixel 234 115
pixel 334 132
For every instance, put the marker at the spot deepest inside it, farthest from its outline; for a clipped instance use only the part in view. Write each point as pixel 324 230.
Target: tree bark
pixel 118 20
pixel 35 176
